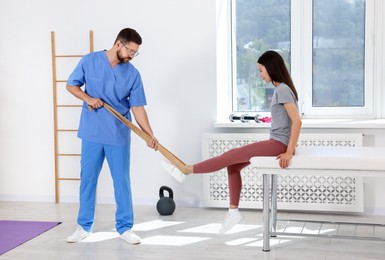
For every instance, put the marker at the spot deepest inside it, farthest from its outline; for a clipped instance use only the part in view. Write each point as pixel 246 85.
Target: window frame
pixel 301 62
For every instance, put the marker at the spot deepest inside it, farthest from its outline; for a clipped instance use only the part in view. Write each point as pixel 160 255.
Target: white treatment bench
pixel 327 161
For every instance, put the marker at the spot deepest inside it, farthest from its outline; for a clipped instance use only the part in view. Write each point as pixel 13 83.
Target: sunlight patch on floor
pixel 241 241
pixel 241 228
pixel 154 224
pixel 214 228
pixel 301 230
pixel 100 236
pixel 172 240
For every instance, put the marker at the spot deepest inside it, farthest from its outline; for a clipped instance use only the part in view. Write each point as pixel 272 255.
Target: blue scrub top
pixel 121 87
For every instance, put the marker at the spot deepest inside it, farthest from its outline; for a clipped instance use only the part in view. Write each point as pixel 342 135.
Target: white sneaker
pixel 230 221
pixel 78 235
pixel 130 237
pixel 175 172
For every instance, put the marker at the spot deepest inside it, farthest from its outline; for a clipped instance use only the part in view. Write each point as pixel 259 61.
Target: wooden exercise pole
pixel 166 153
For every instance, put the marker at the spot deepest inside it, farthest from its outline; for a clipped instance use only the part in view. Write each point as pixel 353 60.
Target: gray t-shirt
pixel 281 123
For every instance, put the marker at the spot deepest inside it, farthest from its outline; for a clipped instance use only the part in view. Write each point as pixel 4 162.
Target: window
pixel 328 46
pixel 258 26
pixel 338 53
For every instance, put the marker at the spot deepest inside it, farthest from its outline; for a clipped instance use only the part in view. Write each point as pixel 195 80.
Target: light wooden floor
pixel 190 233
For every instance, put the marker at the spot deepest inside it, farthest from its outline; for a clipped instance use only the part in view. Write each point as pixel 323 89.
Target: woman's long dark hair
pixel 275 66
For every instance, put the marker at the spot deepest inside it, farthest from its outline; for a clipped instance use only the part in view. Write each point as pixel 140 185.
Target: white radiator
pixel 295 192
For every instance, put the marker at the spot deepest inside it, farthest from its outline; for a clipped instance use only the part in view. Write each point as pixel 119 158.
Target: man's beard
pixel 121 58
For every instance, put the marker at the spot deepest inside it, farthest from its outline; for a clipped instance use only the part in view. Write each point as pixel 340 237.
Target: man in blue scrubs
pixel 108 76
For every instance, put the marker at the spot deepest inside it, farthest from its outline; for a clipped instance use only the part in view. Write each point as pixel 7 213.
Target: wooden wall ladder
pixel 56 105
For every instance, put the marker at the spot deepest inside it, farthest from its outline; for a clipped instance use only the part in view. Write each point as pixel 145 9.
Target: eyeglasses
pixel 130 51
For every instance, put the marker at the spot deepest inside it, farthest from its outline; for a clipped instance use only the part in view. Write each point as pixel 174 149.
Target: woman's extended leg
pixel 231 157
pixel 240 155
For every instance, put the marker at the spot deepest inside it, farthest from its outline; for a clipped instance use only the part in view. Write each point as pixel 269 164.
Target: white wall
pixel 178 64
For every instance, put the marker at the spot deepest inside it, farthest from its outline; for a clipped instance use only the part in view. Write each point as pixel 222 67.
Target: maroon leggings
pixel 235 160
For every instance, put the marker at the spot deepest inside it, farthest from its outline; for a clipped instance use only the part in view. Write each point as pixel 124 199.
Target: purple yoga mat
pixel 15 233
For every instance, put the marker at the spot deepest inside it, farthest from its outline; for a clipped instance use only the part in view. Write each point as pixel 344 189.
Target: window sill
pixel 313 123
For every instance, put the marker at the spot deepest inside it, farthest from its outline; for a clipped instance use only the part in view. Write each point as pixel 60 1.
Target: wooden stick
pixel 166 153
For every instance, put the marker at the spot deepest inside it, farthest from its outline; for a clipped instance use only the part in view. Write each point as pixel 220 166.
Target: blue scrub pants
pixel 118 159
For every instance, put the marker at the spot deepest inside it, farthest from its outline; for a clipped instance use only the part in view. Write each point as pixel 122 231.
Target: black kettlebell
pixel 165 205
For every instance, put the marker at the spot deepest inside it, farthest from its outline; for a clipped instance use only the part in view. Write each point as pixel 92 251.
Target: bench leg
pixel 273 205
pixel 266 213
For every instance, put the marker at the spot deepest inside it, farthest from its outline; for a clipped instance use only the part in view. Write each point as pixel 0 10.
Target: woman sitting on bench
pixel 284 133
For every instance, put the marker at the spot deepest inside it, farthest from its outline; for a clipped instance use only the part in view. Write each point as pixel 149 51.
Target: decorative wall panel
pixel 296 192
